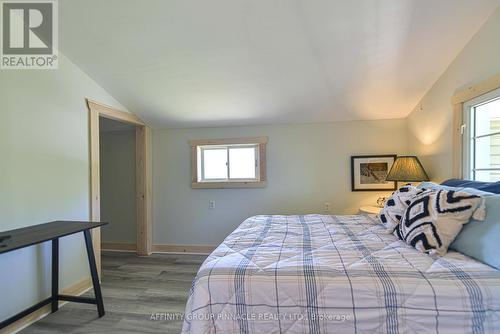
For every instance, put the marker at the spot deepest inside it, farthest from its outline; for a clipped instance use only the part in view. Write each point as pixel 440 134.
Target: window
pixel 228 163
pixel 482 138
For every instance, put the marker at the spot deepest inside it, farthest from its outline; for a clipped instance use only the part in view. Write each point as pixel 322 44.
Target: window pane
pixel 487 152
pixel 215 163
pixel 242 163
pixel 487 176
pixel 488 118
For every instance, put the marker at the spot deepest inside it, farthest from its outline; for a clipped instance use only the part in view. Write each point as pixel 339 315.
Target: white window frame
pixel 201 164
pixel 468 133
pixel 198 147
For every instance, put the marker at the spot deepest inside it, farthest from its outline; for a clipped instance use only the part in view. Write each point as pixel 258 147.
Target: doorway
pixel 117 171
pixel 98 112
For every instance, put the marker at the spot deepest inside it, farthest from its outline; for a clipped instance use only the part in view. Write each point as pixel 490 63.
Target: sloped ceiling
pixel 185 63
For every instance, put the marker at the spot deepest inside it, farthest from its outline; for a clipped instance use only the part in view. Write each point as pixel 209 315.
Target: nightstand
pixel 373 210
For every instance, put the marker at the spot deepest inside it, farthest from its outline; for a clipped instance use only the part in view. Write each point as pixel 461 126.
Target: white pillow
pixel 434 218
pixel 396 205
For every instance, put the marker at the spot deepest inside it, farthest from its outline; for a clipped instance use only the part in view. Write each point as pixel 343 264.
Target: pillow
pixel 480 240
pixel 434 218
pixel 435 186
pixel 391 214
pixel 492 187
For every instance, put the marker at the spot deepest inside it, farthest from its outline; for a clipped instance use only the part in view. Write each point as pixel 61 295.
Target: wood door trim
pixel 113 113
pixel 143 175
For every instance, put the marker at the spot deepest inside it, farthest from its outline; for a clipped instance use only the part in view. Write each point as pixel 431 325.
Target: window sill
pixel 228 185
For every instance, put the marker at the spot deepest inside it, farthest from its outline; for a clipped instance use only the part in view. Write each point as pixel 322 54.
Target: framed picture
pixel 368 172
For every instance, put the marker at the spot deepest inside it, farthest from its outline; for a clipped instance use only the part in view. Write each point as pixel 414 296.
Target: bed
pixel 337 274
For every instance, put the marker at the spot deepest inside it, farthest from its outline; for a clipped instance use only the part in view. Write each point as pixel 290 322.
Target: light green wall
pixel 44 173
pixel 430 124
pixel 307 165
pixel 118 196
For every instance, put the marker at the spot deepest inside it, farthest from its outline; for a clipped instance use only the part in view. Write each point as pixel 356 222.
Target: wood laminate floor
pixel 134 288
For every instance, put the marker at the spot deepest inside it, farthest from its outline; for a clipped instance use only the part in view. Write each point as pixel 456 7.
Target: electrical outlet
pixel 327 206
pixel 211 204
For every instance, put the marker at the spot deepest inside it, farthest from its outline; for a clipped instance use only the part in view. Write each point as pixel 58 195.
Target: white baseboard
pixel 118 246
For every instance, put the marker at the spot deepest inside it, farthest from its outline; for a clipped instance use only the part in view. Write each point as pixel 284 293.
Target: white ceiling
pixel 186 63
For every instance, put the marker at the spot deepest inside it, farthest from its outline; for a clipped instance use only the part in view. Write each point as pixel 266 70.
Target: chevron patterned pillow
pixel 434 218
pixel 394 208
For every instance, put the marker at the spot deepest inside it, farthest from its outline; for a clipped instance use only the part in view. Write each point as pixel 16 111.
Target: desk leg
pixel 55 275
pixel 93 273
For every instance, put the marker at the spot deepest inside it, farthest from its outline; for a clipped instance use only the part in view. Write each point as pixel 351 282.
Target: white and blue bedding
pixel 337 274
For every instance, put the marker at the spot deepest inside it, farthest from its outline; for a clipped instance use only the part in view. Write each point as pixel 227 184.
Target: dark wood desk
pixel 36 234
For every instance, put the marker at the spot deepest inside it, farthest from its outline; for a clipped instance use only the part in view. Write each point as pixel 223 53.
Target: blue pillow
pixel 480 239
pixel 492 187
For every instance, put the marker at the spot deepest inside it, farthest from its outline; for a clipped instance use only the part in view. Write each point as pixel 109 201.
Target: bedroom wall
pixel 307 165
pixel 118 196
pixel 430 123
pixel 44 174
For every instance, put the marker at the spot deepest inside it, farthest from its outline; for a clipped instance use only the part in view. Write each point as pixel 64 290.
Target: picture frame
pixel 368 172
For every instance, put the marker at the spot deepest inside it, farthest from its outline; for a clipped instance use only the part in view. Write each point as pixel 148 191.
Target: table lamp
pixel 407 169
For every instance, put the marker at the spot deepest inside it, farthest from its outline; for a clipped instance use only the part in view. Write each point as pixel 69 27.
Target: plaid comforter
pixel 337 274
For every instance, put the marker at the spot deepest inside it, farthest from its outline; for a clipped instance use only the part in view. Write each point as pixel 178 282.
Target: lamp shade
pixel 407 169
